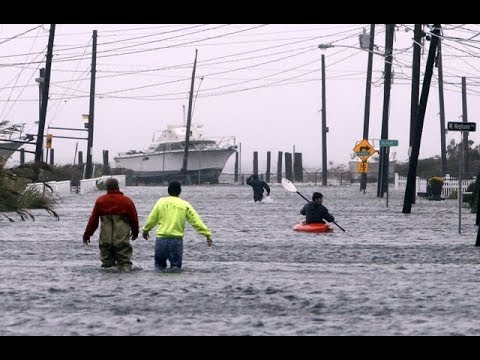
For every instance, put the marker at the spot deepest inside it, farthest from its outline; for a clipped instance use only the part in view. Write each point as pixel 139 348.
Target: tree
pixel 17 197
pixel 15 194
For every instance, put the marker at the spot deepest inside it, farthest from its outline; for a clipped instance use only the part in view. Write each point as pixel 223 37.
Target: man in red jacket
pixel 118 216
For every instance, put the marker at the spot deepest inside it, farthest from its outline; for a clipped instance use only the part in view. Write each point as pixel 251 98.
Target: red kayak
pixel 314 228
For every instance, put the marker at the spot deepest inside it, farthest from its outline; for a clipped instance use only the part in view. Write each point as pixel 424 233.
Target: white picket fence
pixel 450 184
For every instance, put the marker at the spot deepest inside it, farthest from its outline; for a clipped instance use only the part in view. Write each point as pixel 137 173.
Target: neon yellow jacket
pixel 170 213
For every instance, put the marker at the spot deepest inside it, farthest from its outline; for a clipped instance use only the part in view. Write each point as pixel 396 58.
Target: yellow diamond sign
pixel 365 147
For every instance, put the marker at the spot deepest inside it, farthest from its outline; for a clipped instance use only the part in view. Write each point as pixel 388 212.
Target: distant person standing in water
pixel 170 214
pixel 119 224
pixel 258 186
pixel 315 212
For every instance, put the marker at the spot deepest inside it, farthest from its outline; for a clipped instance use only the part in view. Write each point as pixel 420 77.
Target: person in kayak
pixel 258 186
pixel 315 212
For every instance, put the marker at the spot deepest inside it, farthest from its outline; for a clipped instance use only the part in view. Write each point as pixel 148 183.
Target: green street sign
pixel 388 143
pixel 363 153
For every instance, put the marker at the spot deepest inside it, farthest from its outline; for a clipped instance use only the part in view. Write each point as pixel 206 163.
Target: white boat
pixel 9 140
pixel 162 161
pixel 7 148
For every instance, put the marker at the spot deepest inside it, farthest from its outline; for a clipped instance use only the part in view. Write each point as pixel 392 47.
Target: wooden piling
pixel 298 167
pixel 255 162
pixel 279 166
pixel 106 163
pixel 236 168
pixel 267 174
pixel 52 157
pixel 288 166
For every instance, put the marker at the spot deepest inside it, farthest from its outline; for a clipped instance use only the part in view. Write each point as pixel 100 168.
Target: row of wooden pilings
pixel 293 166
pixel 51 157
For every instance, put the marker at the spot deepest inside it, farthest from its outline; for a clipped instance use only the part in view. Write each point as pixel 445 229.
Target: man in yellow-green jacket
pixel 170 213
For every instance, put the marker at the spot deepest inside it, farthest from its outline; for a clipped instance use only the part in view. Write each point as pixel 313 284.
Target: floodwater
pixel 388 274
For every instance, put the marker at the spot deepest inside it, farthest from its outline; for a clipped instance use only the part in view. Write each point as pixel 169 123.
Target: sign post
pixel 388 143
pixel 363 150
pixel 461 126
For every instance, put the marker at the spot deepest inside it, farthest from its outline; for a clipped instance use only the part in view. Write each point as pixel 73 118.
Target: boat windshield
pixel 165 147
pixel 202 145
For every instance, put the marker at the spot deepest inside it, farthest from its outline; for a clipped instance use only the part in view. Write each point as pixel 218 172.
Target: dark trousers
pixel 257 196
pixel 170 249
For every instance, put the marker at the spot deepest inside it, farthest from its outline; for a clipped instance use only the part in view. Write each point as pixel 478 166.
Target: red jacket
pixel 113 203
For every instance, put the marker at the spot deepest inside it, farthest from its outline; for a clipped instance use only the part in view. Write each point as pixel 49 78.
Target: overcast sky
pixel 257 82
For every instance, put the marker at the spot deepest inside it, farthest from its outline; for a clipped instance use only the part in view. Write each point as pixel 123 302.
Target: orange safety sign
pixel 362 167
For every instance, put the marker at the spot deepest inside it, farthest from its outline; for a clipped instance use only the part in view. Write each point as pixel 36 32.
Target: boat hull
pixel 313 228
pixel 162 167
pixel 7 148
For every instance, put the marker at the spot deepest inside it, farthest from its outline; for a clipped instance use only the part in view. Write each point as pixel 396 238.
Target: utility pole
pixel 443 142
pixel 41 82
pixel 466 163
pixel 413 163
pixel 189 119
pixel 415 91
pixel 368 88
pixel 44 98
pixel 324 127
pixel 91 113
pixel 384 151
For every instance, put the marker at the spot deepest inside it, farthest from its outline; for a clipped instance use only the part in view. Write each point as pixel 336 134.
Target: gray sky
pixel 261 84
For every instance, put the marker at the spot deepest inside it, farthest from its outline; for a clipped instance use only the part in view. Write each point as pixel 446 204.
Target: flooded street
pixel 388 274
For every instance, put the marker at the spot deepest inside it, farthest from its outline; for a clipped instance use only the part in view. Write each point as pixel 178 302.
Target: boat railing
pixel 8 131
pixel 225 142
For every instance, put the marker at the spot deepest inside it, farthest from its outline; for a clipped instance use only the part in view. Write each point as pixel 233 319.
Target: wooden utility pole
pixel 443 142
pixel 413 163
pixel 189 121
pixel 368 90
pixel 384 151
pixel 415 91
pixel 91 112
pixel 44 100
pixel 466 164
pixel 324 128
pixel 41 82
